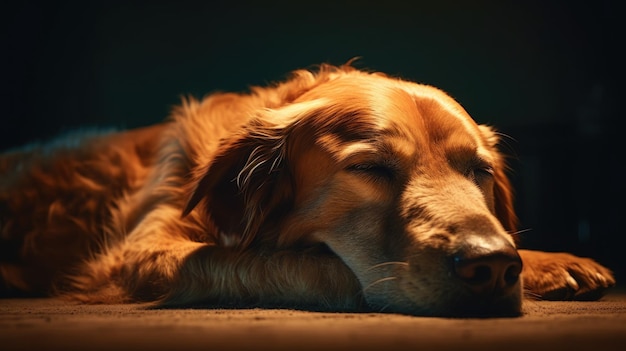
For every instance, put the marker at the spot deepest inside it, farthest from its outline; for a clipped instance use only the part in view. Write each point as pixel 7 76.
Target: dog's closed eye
pixel 378 171
pixel 480 173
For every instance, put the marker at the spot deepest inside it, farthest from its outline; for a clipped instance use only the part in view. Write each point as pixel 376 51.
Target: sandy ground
pixel 50 324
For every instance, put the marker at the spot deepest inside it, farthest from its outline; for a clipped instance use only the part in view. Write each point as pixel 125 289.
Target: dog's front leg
pixel 221 276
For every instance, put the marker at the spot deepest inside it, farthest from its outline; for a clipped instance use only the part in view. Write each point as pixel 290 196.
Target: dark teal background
pixel 547 73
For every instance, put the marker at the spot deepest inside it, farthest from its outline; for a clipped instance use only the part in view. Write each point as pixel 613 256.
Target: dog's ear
pixel 503 191
pixel 245 184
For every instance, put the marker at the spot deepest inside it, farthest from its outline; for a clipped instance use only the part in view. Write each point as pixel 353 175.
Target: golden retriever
pixel 338 189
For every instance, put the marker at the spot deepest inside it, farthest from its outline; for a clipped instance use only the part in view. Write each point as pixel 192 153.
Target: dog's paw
pixel 562 276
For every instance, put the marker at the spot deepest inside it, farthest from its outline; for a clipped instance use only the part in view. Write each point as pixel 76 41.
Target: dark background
pixel 546 73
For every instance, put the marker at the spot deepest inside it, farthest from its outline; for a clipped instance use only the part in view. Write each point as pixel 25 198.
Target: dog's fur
pixel 337 189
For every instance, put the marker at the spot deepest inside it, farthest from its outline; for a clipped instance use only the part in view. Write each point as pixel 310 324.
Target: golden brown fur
pixel 338 189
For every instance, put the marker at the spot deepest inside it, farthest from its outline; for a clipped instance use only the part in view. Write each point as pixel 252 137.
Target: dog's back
pixel 64 201
pixel 56 200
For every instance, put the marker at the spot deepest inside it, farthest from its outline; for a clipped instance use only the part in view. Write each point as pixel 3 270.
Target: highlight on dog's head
pixel 394 177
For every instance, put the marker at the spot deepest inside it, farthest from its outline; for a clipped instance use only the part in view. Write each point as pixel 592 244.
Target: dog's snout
pixel 487 265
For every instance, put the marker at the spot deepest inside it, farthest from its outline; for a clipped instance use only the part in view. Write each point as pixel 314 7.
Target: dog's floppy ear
pixel 246 183
pixel 503 191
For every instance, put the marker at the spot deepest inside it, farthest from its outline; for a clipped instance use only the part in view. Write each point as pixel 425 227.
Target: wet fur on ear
pixel 246 184
pixel 503 191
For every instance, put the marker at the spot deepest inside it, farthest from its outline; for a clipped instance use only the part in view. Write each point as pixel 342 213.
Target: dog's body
pixel 337 189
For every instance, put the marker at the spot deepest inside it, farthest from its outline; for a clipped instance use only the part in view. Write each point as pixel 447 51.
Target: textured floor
pixel 50 324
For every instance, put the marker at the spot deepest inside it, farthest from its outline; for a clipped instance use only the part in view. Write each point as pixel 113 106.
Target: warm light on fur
pixel 337 189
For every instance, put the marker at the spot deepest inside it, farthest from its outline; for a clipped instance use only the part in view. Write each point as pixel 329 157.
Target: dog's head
pixel 394 177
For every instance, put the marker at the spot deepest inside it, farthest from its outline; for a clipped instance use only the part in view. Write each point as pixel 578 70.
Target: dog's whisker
pixel 507 136
pixel 381 280
pixel 382 309
pixel 399 263
pixel 531 295
pixel 521 231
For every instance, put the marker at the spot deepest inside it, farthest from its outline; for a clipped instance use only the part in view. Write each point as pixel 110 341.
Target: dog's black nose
pixel 489 265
